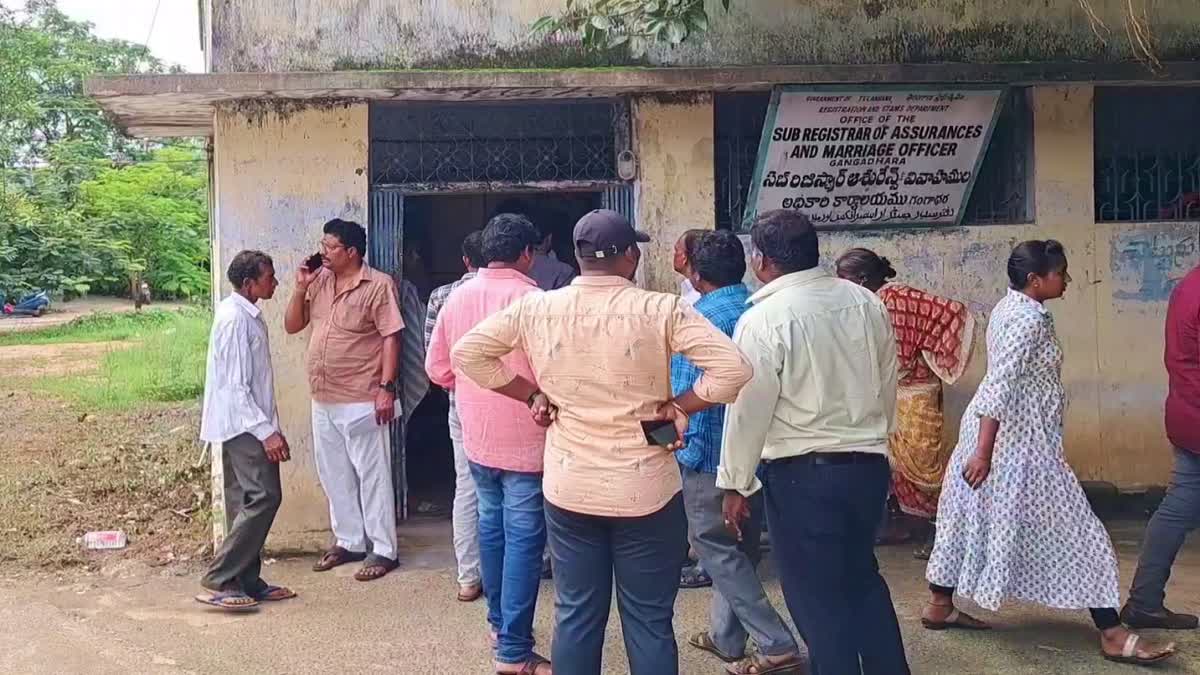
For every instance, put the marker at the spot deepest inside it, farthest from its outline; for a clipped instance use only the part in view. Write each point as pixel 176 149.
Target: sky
pixel 174 33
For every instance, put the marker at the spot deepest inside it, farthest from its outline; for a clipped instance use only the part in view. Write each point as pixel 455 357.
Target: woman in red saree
pixel 934 337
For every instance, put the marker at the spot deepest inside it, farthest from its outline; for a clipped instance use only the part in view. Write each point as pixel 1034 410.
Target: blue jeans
pixel 642 555
pixel 1178 515
pixel 823 519
pixel 512 535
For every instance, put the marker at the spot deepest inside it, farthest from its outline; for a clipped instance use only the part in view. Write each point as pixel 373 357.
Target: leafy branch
pixel 608 24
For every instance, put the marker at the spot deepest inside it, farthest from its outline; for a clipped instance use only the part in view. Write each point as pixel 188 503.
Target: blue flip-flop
pixel 219 600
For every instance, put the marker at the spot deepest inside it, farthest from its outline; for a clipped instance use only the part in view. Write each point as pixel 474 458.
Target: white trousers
pixel 356 474
pixel 466 508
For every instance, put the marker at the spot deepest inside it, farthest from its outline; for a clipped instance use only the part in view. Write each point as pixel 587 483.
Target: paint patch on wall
pixel 1148 261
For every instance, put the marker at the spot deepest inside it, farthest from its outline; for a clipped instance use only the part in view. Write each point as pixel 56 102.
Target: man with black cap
pixel 600 353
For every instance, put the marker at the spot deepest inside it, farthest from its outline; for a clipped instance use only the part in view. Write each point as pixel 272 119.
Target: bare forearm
pixel 691 403
pixel 520 389
pixel 391 357
pixel 988 428
pixel 295 319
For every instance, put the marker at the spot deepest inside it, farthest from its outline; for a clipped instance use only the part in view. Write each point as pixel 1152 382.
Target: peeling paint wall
pixel 277 179
pixel 266 35
pixel 674 145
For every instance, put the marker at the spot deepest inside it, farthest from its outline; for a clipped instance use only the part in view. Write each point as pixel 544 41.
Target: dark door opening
pixel 434 227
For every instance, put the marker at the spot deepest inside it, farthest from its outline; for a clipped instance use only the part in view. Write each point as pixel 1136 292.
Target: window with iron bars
pixel 1002 190
pixel 1147 153
pixel 508 143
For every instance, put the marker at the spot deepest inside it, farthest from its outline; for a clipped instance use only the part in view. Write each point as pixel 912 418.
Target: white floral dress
pixel 1028 533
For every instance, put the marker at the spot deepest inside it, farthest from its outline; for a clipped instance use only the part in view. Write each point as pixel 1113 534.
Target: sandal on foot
pixel 274 594
pixel 1164 619
pixel 470 592
pixel 1129 653
pixel 955 619
pixel 375 567
pixel 336 557
pixel 760 664
pixel 694 577
pixel 530 667
pixel 229 601
pixel 704 642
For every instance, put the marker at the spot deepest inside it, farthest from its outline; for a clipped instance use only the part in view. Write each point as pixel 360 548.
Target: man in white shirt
pixel 241 421
pixel 681 262
pixel 817 413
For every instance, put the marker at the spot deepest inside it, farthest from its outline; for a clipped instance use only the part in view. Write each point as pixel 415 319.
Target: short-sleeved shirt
pixel 345 351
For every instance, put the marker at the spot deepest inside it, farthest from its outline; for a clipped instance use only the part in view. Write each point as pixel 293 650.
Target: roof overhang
pixel 183 104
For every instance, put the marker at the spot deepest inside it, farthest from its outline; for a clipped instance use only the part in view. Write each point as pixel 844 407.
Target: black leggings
pixel 1104 618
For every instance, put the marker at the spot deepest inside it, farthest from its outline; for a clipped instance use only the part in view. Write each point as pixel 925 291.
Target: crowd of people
pixel 616 428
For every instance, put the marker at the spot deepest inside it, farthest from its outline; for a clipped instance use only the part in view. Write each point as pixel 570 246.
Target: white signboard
pixel 873 157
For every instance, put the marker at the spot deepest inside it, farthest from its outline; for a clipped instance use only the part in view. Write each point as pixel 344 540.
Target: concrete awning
pixel 183 105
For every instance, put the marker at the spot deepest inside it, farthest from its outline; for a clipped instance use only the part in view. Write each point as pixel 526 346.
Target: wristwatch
pixel 389 386
pixel 529 401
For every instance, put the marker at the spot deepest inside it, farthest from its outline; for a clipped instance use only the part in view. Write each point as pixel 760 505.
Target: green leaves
pixel 635 24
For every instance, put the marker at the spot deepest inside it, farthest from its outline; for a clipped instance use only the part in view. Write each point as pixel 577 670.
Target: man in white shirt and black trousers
pixel 241 421
pixel 818 413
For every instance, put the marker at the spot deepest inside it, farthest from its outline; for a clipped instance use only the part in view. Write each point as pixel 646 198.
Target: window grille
pixel 432 144
pixel 1147 153
pixel 738 120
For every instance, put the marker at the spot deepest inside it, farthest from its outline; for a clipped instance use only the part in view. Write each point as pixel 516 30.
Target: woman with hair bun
pixel 1013 521
pixel 934 337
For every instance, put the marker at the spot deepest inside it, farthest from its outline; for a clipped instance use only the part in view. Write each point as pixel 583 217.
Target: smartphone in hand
pixel 660 432
pixel 313 263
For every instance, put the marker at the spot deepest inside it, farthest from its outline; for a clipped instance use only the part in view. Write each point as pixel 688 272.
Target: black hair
pixel 865 265
pixel 472 249
pixel 719 258
pixel 351 234
pixel 786 238
pixel 689 241
pixel 247 266
pixel 507 236
pixel 1035 257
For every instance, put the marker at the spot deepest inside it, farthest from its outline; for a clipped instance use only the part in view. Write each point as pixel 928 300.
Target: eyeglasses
pixel 326 248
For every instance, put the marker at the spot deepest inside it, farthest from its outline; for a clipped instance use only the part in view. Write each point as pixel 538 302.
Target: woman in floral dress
pixel 1013 522
pixel 934 337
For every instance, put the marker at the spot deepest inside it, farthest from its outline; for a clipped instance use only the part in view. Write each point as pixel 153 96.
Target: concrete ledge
pixel 182 105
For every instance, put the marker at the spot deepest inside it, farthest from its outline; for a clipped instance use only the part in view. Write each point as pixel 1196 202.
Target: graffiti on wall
pixel 1148 262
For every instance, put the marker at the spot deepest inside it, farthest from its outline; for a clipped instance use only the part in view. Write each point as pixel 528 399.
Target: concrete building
pixel 420 118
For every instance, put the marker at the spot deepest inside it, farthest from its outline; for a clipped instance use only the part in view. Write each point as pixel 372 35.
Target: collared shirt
pixel 689 294
pixel 239 390
pixel 436 300
pixel 498 432
pixel 550 273
pixel 601 351
pixel 702 452
pixel 345 351
pixel 1182 358
pixel 825 373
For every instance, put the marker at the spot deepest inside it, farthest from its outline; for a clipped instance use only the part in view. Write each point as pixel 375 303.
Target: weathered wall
pixel 674 144
pixel 266 35
pixel 277 179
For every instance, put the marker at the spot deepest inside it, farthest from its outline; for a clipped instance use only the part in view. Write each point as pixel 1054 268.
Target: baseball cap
pixel 603 233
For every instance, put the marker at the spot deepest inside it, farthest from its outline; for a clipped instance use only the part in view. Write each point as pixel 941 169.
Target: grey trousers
pixel 1178 515
pixel 740 607
pixel 252 497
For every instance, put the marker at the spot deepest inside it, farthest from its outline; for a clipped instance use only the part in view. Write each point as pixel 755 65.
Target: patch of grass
pixel 166 364
pixel 99 327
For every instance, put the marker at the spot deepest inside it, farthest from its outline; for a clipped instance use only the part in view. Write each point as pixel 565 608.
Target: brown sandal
pixel 1129 653
pixel 530 667
pixel 955 619
pixel 760 664
pixel 704 642
pixel 336 557
pixel 375 567
pixel 470 592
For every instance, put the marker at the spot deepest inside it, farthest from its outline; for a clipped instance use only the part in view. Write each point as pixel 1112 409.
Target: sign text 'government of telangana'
pixel 873 157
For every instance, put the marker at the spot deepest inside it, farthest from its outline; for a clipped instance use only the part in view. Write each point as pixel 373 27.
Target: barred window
pixel 517 143
pixel 1002 193
pixel 1147 153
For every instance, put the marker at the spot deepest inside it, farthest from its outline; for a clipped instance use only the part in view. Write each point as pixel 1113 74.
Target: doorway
pixel 434 227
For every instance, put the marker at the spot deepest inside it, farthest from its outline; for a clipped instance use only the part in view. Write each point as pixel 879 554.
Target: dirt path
pixel 64 312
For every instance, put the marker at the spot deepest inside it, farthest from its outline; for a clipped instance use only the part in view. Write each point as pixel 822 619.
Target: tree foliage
pixel 83 208
pixel 635 23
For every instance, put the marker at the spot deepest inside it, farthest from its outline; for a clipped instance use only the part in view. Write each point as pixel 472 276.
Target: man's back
pixel 600 350
pixel 1182 359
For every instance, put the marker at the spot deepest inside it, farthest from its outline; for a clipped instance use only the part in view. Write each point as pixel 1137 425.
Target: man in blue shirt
pixel 740 608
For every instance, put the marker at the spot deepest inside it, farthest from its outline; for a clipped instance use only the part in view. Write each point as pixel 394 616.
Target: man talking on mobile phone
pixel 600 352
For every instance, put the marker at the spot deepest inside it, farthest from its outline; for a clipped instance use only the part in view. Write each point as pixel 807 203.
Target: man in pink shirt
pixel 503 444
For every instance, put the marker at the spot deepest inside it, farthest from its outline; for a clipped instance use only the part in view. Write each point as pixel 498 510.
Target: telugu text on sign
pixel 873 157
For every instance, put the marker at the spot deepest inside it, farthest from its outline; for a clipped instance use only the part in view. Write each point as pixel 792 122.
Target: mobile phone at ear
pixel 313 263
pixel 660 432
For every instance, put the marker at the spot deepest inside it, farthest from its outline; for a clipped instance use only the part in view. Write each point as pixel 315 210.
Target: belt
pixel 831 458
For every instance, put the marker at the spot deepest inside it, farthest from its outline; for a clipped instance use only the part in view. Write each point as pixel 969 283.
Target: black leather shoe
pixel 1166 619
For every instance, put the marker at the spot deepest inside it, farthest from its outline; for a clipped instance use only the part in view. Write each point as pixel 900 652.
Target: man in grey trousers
pixel 241 421
pixel 740 608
